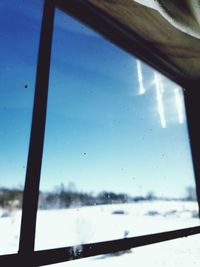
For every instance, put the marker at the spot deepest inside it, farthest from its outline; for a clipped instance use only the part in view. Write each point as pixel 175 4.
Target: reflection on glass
pixel 19 38
pixel 116 157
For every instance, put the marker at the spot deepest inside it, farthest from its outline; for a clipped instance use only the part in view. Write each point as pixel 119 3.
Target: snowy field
pixel 69 227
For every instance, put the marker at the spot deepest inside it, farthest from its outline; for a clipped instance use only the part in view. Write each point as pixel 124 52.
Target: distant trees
pixel 191 193
pixel 106 197
pixel 65 197
pixel 11 199
pixel 68 196
pixel 61 197
pixel 150 196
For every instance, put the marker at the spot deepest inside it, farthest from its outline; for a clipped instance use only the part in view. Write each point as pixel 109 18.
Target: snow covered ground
pixel 68 227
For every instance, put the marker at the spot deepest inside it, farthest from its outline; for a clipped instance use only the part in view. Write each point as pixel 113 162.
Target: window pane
pixel 116 158
pixel 19 38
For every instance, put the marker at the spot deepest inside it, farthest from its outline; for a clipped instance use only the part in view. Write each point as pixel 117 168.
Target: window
pixel 111 129
pixel 115 133
pixel 19 40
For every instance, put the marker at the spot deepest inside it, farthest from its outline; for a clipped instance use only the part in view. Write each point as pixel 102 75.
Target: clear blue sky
pixel 106 128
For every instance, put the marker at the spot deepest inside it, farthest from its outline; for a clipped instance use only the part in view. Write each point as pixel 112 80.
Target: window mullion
pixel 31 190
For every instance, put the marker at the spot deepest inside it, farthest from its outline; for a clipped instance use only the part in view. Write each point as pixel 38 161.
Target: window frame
pixel 130 42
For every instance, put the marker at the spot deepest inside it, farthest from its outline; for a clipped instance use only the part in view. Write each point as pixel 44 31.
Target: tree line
pixel 68 196
pixel 61 197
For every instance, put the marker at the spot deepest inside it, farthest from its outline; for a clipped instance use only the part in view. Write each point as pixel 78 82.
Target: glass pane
pixel 19 38
pixel 116 158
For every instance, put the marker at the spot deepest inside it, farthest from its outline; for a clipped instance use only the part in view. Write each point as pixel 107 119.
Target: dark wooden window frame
pixel 130 42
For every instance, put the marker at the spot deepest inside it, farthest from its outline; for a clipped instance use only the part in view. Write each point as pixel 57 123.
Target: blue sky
pixel 102 131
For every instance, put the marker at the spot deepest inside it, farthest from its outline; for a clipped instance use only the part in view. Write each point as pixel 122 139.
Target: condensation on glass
pixel 116 159
pixel 19 40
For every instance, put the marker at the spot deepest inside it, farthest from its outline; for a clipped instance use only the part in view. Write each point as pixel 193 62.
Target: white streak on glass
pixel 159 98
pixel 140 77
pixel 179 104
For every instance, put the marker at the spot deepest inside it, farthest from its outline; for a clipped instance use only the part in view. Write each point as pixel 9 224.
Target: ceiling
pixel 178 48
